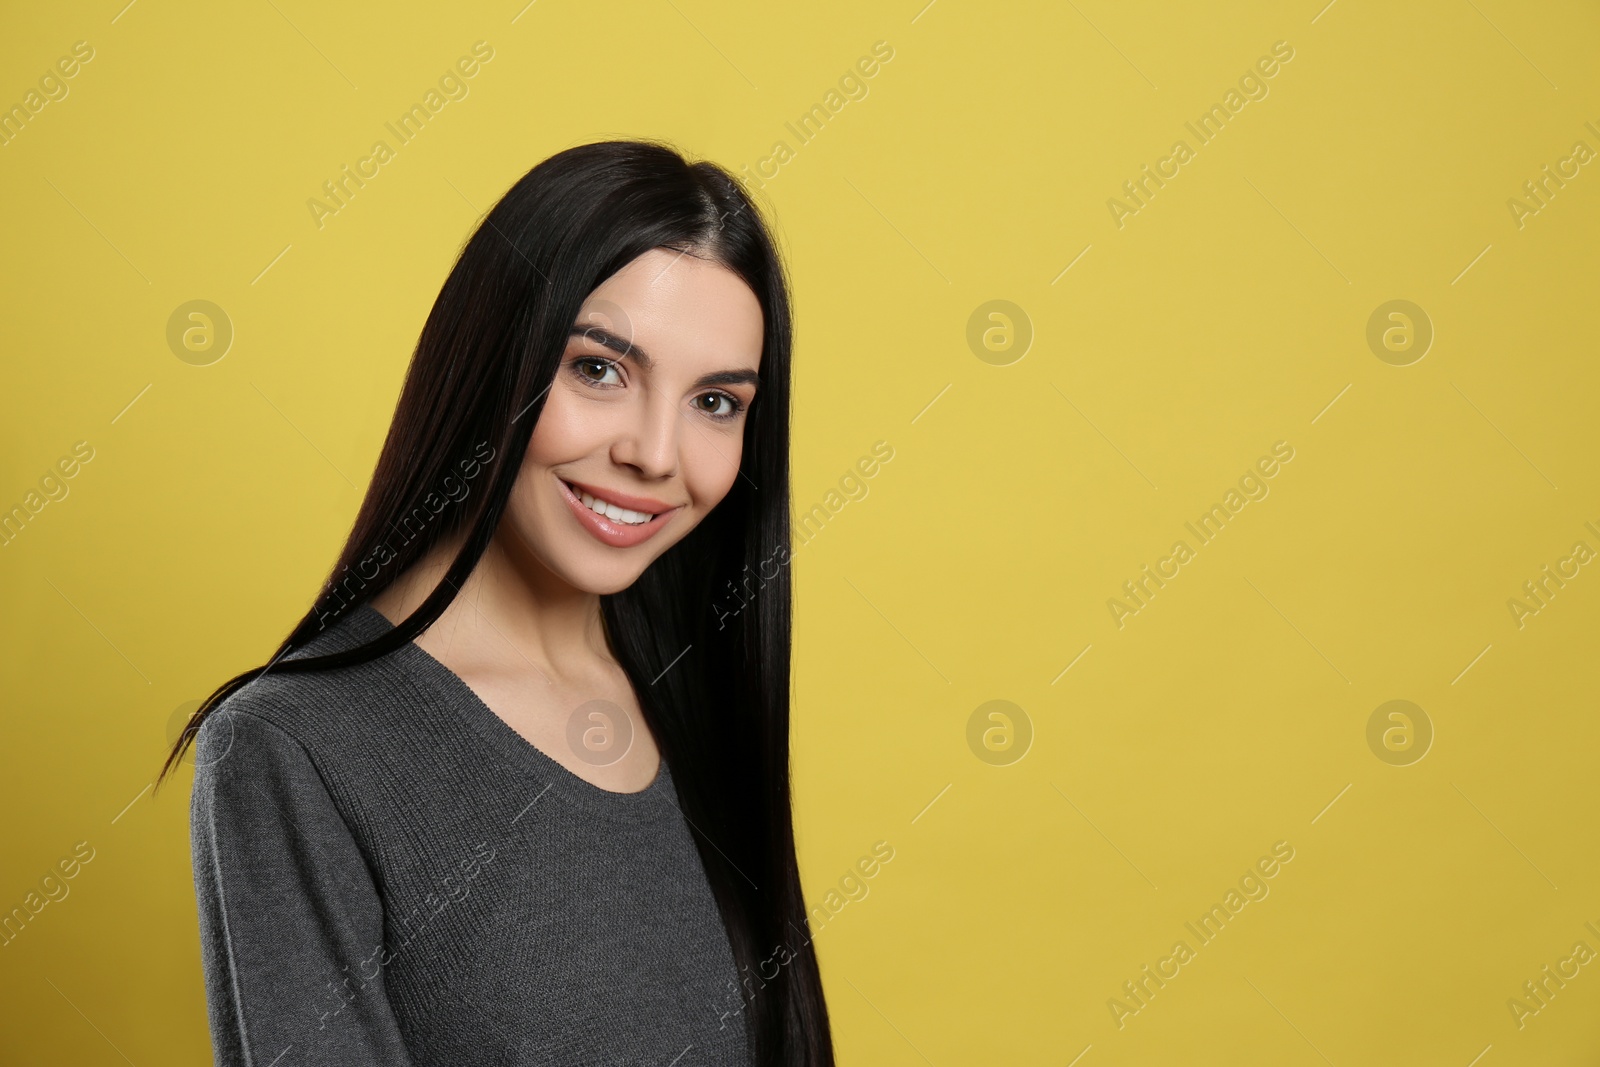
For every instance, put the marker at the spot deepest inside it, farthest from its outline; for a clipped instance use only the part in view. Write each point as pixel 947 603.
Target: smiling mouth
pixel 620 515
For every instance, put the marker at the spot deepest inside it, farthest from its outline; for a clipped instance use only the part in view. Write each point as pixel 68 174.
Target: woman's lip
pixel 615 534
pixel 645 504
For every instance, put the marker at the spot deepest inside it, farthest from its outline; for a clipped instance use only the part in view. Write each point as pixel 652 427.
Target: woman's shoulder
pixel 330 712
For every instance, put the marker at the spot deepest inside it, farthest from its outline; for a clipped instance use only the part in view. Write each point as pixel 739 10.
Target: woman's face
pixel 644 421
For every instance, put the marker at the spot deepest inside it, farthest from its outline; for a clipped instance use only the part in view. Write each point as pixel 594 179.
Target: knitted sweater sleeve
pixel 291 924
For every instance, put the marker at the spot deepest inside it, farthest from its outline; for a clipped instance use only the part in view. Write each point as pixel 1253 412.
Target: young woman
pixel 516 788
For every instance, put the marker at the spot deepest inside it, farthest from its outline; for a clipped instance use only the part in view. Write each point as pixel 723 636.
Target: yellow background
pixel 1228 314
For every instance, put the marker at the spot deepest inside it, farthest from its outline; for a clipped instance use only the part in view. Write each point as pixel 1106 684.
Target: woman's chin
pixel 600 578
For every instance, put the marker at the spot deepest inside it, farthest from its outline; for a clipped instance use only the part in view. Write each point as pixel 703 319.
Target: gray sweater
pixel 387 873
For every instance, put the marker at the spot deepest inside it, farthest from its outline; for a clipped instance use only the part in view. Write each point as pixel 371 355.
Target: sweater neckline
pixel 652 802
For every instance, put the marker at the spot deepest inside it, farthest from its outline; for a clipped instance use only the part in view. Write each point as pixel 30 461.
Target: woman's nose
pixel 650 443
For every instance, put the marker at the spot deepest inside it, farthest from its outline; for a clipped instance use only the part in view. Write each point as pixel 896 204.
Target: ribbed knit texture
pixel 387 873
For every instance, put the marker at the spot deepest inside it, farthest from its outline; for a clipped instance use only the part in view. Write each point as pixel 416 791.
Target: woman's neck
pixel 511 613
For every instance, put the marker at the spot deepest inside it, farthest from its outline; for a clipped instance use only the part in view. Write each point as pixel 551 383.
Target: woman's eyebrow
pixel 604 337
pixel 729 377
pixel 628 350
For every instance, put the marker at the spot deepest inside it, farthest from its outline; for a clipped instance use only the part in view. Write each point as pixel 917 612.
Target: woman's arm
pixel 291 926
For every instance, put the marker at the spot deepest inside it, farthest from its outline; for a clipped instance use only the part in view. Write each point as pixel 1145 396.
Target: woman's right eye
pixel 593 370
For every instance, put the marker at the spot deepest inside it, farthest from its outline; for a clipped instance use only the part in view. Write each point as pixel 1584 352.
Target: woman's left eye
pixel 720 406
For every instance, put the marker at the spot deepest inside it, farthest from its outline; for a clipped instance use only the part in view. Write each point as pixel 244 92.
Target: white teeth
pixel 612 512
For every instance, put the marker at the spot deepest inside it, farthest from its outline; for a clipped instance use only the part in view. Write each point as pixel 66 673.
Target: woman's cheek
pixel 559 424
pixel 715 471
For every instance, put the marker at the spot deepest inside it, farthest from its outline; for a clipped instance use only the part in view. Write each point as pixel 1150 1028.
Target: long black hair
pixel 485 359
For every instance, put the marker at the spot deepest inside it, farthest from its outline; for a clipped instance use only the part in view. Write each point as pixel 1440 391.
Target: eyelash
pixel 737 405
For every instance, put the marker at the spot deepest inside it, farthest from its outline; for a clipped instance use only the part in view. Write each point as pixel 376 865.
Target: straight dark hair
pixel 713 685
